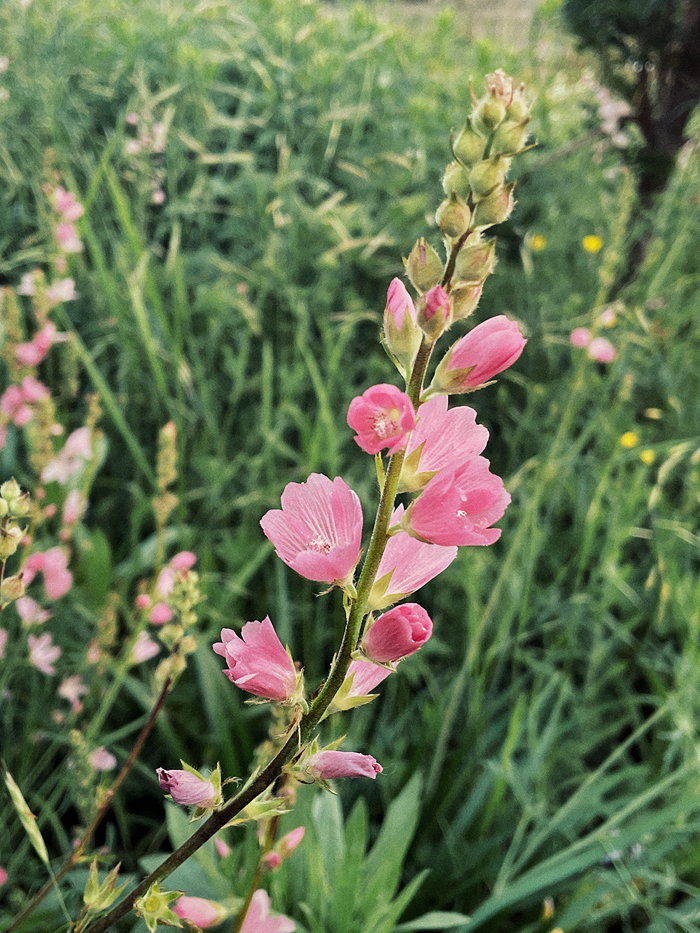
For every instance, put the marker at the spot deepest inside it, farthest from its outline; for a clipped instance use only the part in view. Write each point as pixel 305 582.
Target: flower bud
pixel 475 262
pixel 423 266
pixel 474 359
pixel 495 208
pixel 189 788
pixel 397 633
pixel 326 765
pixel 468 146
pixel 435 313
pixel 10 491
pixel 10 539
pixel 490 112
pixel 485 177
pixel 510 137
pixel 4 508
pixel 12 588
pixel 401 332
pixel 21 505
pixel 200 911
pixel 465 297
pixel 456 178
pixel 453 216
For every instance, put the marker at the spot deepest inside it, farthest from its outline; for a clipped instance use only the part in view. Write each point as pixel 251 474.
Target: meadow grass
pixel 545 740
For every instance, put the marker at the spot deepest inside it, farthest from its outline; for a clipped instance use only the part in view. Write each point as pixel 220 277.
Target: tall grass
pixel 552 717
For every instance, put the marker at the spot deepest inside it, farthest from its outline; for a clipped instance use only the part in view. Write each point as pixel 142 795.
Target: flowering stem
pixel 308 723
pixel 75 856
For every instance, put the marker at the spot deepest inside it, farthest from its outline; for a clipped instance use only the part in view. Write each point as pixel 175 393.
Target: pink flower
pixel 183 561
pixel 326 765
pixel 102 760
pixel 3 642
pixel 257 662
pixel 76 452
pixel 33 390
pixel 382 416
pixel 144 649
pixel 29 611
pixel 260 920
pixel 199 911
pixel 399 303
pixel 222 848
pixel 188 789
pixel 3 876
pixel 34 352
pixel 27 285
pixel 57 578
pixel 158 196
pixel 13 405
pixel 42 652
pixel 283 849
pixel 143 601
pixel 580 337
pixel 160 614
pixel 68 239
pixel 59 291
pixel 73 507
pixel 318 530
pixel 397 633
pixel 66 204
pixel 459 506
pixel 365 677
pixel 443 439
pixel 72 688
pixel 601 350
pixel 407 564
pixel 480 355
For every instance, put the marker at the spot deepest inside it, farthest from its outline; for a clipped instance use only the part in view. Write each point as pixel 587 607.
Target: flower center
pixel 319 544
pixel 385 425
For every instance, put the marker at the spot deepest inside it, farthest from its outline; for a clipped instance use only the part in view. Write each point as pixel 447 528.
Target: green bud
pixel 518 110
pixel 10 490
pixel 423 266
pixel 10 539
pixel 475 262
pixel 456 178
pixel 468 146
pixel 510 137
pixel 11 588
pixel 495 208
pixel 98 897
pixel 453 216
pixel 4 509
pixel 485 177
pixel 490 112
pixel 21 506
pixel 465 297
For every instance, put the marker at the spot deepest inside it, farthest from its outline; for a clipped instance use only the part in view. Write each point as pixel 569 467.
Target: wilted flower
pixel 189 788
pixel 318 530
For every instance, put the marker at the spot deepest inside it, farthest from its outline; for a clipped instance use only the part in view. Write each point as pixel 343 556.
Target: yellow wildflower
pixel 647 456
pixel 629 439
pixel 592 243
pixel 537 243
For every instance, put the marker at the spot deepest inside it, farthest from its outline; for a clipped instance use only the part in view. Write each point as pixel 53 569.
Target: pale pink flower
pixel 132 147
pixel 397 634
pixel 200 911
pixel 407 564
pixel 443 439
pixel 73 507
pixel 383 416
pixel 42 652
pixel 143 601
pixel 102 760
pixel 93 653
pixel 14 406
pixel 33 390
pixel 132 118
pixel 257 662
pixel 188 789
pixel 459 506
pixel 27 285
pixel 68 239
pixel 601 350
pixel 61 290
pixel 160 614
pixel 179 564
pixel 3 642
pixel 365 677
pixel 57 578
pixel 72 689
pixel 29 610
pixel 3 876
pixel 284 848
pixel 580 337
pixel 3 436
pixel 399 303
pixel 144 649
pixel 160 133
pixel 71 459
pixel 34 352
pixel 222 848
pixel 326 765
pixel 260 920
pixel 485 351
pixel 183 561
pixel 318 531
pixel 66 204
pixel 158 196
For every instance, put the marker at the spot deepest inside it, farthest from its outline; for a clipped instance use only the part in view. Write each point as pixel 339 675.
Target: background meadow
pixel 545 744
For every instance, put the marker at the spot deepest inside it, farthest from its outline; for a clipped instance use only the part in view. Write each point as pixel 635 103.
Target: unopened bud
pixel 453 216
pixel 10 490
pixel 510 137
pixel 485 177
pixel 12 588
pixel 4 509
pixel 435 312
pixel 21 506
pixel 468 146
pixel 490 112
pixel 495 208
pixel 423 266
pixel 465 297
pixel 10 539
pixel 456 178
pixel 475 262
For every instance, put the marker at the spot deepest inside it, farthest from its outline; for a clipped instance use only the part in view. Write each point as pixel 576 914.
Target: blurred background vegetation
pixel 546 740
